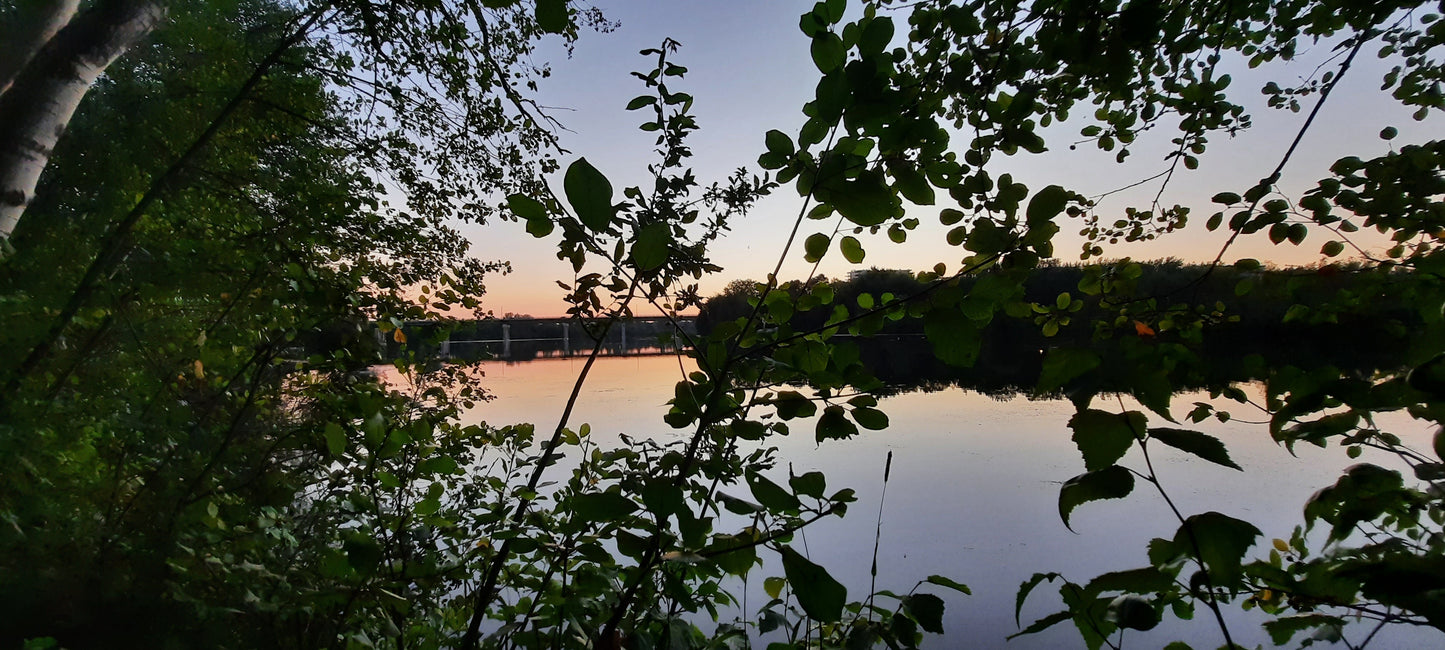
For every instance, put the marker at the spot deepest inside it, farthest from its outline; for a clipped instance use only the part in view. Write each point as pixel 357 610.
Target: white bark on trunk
pixel 37 107
pixel 28 29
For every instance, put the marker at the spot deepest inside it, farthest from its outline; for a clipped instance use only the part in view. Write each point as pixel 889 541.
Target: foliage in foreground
pixel 198 460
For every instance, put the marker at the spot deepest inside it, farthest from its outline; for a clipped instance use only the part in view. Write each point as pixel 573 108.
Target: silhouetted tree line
pixel 1260 318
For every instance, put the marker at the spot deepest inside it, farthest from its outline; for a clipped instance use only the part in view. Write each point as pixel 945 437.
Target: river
pixel 974 492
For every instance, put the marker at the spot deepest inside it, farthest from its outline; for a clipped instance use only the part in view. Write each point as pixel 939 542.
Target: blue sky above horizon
pixel 750 70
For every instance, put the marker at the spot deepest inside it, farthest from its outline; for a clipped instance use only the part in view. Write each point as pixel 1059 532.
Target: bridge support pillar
pixel 506 340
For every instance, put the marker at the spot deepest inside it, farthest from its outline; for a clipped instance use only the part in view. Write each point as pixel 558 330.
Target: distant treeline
pixel 1254 318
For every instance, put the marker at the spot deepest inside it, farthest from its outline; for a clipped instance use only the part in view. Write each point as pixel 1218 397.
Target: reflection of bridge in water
pixel 520 339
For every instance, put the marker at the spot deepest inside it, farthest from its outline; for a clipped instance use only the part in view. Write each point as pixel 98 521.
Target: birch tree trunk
pixel 29 28
pixel 47 87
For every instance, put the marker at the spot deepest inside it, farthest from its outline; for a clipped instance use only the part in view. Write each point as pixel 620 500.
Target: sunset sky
pixel 750 71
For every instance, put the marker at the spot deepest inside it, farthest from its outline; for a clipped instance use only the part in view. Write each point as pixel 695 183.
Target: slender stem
pixel 877 536
pixel 1153 478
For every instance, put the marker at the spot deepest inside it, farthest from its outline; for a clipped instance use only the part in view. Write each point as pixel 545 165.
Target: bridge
pixel 518 338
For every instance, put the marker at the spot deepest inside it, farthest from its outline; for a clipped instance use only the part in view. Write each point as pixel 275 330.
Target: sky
pixel 749 70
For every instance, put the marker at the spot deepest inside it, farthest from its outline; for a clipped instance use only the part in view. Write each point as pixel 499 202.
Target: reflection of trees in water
pixel 1010 362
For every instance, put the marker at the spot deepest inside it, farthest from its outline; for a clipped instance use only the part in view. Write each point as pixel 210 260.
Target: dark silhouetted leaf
pixel 653 246
pixel 852 250
pixel 811 484
pixel 552 16
pixel 1043 624
pixel 771 495
pixel 820 596
pixel 927 609
pixel 601 506
pixel 835 425
pixel 1133 612
pixel 1104 437
pixel 1222 540
pixel 1202 445
pixel 1283 629
pixel 870 418
pixel 1047 204
pixel 828 52
pixel 815 247
pixel 1109 483
pixel 1064 364
pixel 1025 589
pixel 590 194
pixel 950 583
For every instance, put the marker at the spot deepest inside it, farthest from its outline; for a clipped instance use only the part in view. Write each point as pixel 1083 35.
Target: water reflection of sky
pixel 973 493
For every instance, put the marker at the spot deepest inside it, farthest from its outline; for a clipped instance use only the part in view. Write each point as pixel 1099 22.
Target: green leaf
pixel 927 609
pixel 601 506
pixel 1133 612
pixel 955 337
pixel 1283 629
pixel 1227 198
pixel 1025 589
pixel 820 596
pixel 539 227
pixel 662 498
pixel 791 404
pixel 828 52
pixel 1062 365
pixel 552 16
pixel 812 484
pixel 870 418
pixel 526 207
pixel 778 142
pixel 1043 624
pixel 835 425
pixel 852 249
pixel 1113 482
pixel 1139 581
pixel 1047 204
pixel 427 506
pixel 1103 437
pixel 815 247
pixel 865 201
pixel 950 583
pixel 641 101
pixel 913 185
pixel 771 495
pixel 1296 233
pixel 653 246
pixel 1222 540
pixel 1365 492
pixel 1332 248
pixel 590 194
pixel 335 439
pixel 741 557
pixel 987 238
pixel 438 465
pixel 773 586
pixel 362 552
pixel 1202 445
pixel 876 35
pixel 738 506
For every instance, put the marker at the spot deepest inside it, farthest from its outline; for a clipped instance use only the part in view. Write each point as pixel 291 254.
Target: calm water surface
pixel 974 494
